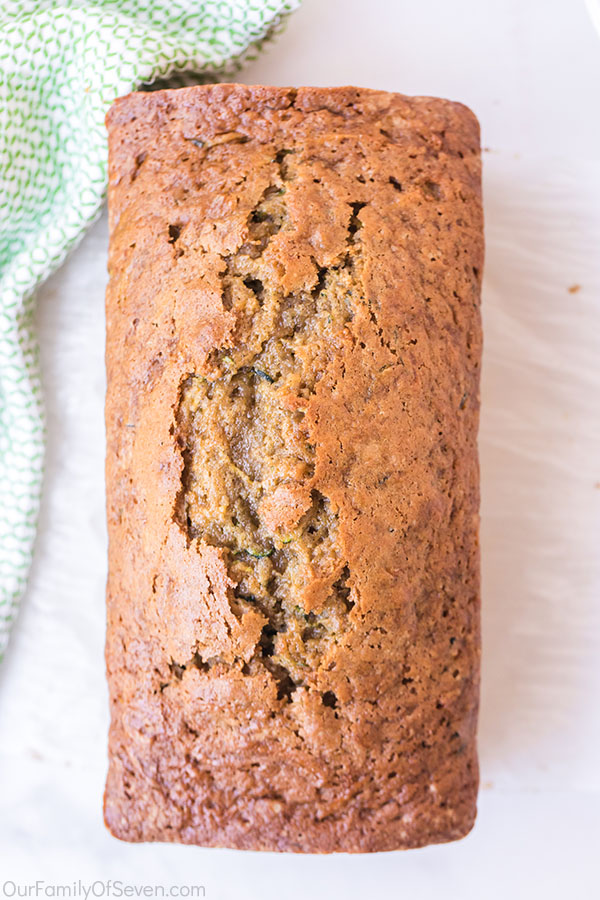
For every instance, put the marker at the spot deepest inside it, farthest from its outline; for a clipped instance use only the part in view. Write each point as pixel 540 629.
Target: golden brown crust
pixel 373 748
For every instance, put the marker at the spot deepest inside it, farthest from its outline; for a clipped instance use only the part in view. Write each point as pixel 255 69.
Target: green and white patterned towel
pixel 61 65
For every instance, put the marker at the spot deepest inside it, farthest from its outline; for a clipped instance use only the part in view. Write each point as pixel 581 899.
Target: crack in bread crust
pixel 248 473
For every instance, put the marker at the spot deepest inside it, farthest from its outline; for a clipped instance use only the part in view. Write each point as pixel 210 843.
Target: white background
pixel 531 71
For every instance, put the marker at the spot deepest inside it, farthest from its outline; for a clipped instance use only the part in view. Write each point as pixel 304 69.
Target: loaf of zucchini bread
pixel 293 389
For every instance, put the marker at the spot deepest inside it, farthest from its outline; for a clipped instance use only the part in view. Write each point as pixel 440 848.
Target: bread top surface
pixel 293 357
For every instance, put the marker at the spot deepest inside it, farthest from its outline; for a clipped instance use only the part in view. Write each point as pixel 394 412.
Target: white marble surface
pixel 531 71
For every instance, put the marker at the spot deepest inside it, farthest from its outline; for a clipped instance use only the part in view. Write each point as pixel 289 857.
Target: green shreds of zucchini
pixel 264 375
pixel 259 554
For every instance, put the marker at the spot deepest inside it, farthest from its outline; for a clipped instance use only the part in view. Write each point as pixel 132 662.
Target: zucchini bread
pixel 293 359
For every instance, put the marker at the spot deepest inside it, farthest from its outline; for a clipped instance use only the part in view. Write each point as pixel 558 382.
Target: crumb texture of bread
pixel 293 353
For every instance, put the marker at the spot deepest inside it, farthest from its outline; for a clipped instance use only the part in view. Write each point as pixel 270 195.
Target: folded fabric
pixel 61 65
